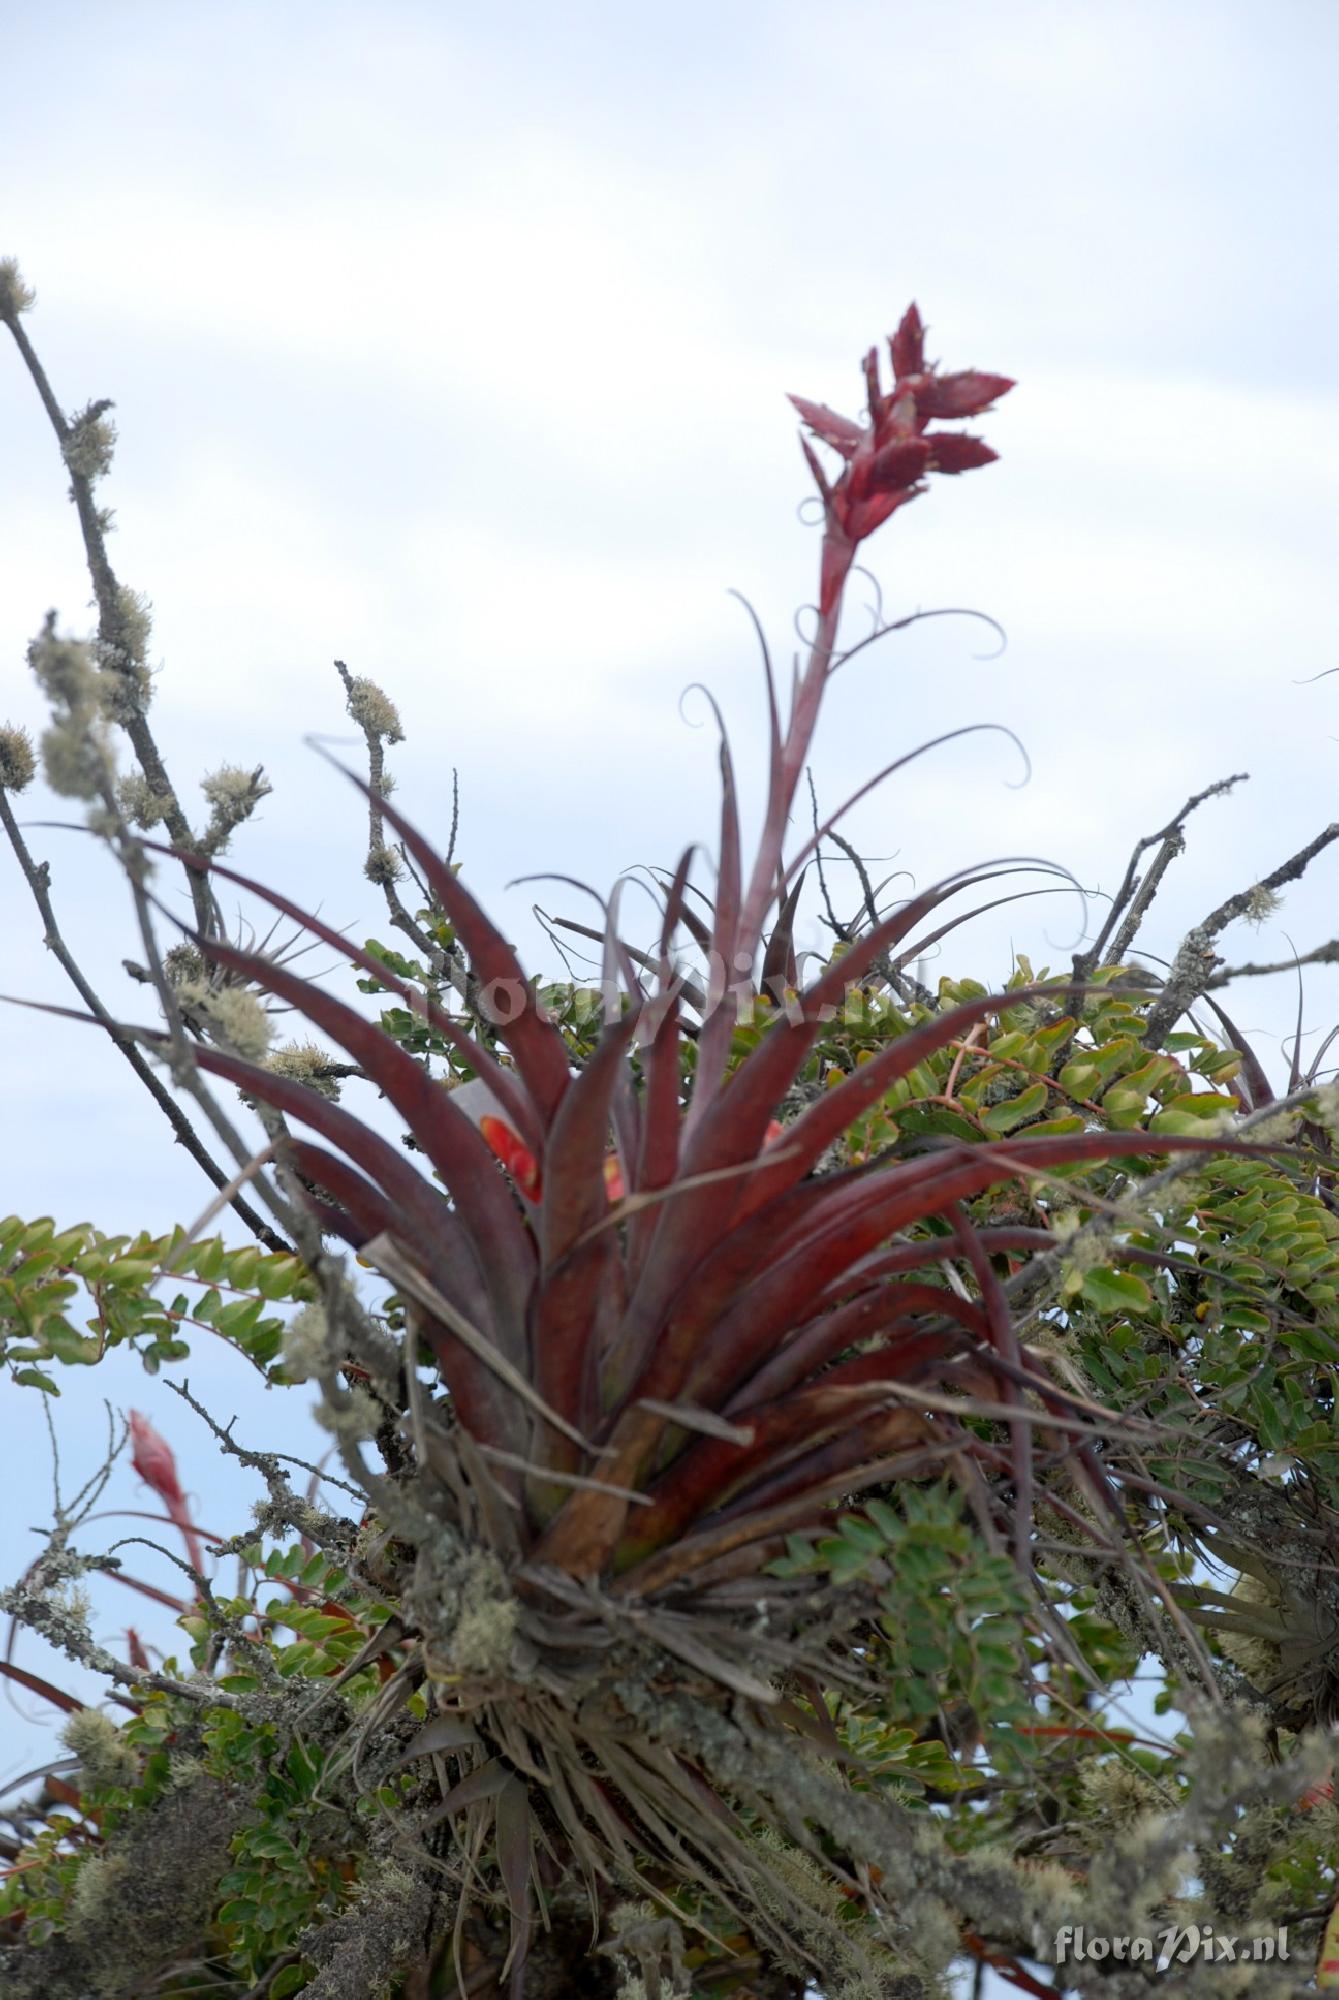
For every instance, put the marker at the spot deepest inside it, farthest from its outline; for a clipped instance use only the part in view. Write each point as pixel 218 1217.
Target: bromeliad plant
pixel 673 1327
pixel 658 1380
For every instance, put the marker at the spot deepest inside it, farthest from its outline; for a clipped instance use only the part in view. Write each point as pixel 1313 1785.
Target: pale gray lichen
pixel 126 684
pixel 1261 903
pixel 239 1019
pixel 466 1606
pixel 15 296
pixel 99 1883
pixel 63 668
pixel 1326 1102
pixel 76 756
pixel 373 710
pixel 1088 1250
pixel 356 1418
pixel 122 655
pixel 134 620
pixel 791 1885
pixel 183 964
pixel 233 1016
pixel 90 442
pixel 306 1062
pixel 1277 1129
pixel 306 1347
pixel 144 1900
pixel 383 865
pixel 104 1755
pixel 18 759
pixel 1118 1794
pixel 76 1601
pixel 360 1951
pixel 74 761
pixel 143 807
pixel 485 1627
pixel 276 1517
pixel 232 794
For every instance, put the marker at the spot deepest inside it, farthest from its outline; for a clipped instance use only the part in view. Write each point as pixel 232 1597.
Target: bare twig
pixel 1196 963
pixel 311 1521
pixel 443 964
pixel 1324 954
pixel 112 629
pixel 902 983
pixel 37 874
pixel 1130 904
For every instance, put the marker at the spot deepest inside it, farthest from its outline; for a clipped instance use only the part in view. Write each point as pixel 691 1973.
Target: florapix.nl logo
pixel 1178 1944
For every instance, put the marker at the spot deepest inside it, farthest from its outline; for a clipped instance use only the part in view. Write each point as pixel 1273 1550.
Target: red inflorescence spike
pixel 888 457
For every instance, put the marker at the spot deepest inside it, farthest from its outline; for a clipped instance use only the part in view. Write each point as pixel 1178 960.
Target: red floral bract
pixel 888 458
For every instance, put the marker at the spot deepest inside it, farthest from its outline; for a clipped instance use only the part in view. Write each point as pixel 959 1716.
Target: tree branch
pixel 112 633
pixel 1196 962
pixel 37 874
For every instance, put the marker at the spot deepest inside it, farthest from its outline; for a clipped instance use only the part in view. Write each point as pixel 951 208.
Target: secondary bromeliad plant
pixel 674 1323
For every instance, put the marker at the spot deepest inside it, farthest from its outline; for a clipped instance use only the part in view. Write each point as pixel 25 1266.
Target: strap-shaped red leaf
pixel 705 1475
pixel 724 972
pixel 825 1120
pixel 541 1055
pixel 505 1084
pixel 861 1213
pixel 788 1498
pixel 575 1197
pixel 484 1406
pixel 578 1310
pixel 778 965
pixel 733 1130
pixel 822 1339
pixel 455 1268
pixel 504 1247
pixel 36 1685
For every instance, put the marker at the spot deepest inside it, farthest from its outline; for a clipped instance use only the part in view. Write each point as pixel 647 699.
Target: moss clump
pixel 309 1063
pixel 15 296
pixel 374 710
pixel 139 1905
pixel 89 444
pixel 104 1755
pixel 18 760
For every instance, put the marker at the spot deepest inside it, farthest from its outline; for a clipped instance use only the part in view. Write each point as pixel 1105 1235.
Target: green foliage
pixel 297 1856
pixel 49 1279
pixel 951 1613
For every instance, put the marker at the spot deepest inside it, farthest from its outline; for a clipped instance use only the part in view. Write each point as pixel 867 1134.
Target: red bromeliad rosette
pixel 672 1332
pixel 649 1248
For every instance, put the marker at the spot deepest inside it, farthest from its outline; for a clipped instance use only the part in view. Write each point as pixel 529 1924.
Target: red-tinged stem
pixel 1117 1736
pixel 740 952
pixel 1004 1339
pixel 151 1590
pixel 794 756
pixel 36 1685
pixel 1009 1968
pixel 185 1526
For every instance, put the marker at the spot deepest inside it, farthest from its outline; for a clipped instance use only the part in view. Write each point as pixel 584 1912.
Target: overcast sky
pixel 454 341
